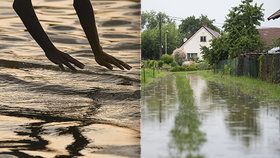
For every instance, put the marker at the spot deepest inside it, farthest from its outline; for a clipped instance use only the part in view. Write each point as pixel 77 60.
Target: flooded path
pixel 45 112
pixel 206 120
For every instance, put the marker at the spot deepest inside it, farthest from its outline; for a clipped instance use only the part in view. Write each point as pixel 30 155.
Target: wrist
pixel 50 50
pixel 97 50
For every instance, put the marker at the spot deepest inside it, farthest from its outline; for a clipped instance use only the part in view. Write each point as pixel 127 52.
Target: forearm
pixel 27 14
pixel 87 19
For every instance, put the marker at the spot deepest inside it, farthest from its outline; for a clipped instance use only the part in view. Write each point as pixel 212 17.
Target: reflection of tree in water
pixel 160 96
pixel 243 110
pixel 187 138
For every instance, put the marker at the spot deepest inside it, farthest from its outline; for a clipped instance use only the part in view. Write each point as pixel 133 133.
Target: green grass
pixel 251 86
pixel 186 134
pixel 150 75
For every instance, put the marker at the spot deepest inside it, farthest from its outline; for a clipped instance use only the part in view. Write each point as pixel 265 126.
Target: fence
pixel 263 66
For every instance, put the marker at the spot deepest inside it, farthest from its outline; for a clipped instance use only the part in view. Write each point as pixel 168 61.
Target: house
pixel 202 37
pixel 269 35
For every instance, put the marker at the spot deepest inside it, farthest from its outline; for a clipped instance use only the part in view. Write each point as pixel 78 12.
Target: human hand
pixel 61 59
pixel 107 60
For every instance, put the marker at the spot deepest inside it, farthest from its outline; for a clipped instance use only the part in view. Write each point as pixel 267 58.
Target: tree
pixel 150 34
pixel 191 24
pixel 217 51
pixel 150 40
pixel 150 19
pixel 240 26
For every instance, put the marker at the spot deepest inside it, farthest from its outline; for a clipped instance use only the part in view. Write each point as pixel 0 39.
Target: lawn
pixel 149 75
pixel 251 86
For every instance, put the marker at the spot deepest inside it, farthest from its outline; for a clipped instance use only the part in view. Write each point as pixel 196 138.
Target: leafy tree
pixel 150 44
pixel 150 40
pixel 240 25
pixel 217 51
pixel 191 24
pixel 150 19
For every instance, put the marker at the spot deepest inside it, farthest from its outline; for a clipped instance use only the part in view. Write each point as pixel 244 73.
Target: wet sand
pixel 46 112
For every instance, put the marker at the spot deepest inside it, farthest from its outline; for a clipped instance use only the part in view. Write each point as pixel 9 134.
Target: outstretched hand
pixel 61 59
pixel 107 60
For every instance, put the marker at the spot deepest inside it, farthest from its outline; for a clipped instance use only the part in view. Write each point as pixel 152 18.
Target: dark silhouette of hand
pixel 61 59
pixel 107 60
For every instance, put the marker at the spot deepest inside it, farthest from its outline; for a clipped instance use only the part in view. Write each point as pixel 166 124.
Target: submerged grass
pixel 149 75
pixel 186 135
pixel 250 86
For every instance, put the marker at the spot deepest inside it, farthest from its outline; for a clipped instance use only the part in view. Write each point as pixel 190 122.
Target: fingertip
pixel 82 66
pixel 128 67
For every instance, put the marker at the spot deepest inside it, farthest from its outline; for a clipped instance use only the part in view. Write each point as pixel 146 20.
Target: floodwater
pixel 220 122
pixel 46 112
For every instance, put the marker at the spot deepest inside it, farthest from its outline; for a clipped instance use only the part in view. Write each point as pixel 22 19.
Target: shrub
pixel 167 59
pixel 160 63
pixel 203 66
pixel 227 70
pixel 179 56
pixel 174 63
pixel 166 67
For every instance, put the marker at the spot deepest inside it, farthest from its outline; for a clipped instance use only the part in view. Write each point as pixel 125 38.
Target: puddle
pixel 220 122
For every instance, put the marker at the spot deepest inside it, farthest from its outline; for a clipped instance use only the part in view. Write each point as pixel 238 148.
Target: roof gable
pixel 274 15
pixel 213 33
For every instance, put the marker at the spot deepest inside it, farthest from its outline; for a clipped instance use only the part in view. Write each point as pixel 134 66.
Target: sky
pixel 214 9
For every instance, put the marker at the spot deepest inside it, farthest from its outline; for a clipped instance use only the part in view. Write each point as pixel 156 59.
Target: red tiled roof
pixel 275 15
pixel 268 35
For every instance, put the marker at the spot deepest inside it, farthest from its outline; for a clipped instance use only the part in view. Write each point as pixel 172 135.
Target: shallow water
pixel 221 122
pixel 45 112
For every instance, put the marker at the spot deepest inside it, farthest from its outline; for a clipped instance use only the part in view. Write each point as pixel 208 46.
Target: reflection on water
pixel 158 109
pixel 45 112
pixel 222 123
pixel 186 134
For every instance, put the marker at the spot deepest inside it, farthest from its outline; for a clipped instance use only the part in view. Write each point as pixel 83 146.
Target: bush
pixel 167 59
pixel 174 63
pixel 227 70
pixel 166 67
pixel 160 63
pixel 150 64
pixel 178 68
pixel 179 56
pixel 192 67
pixel 203 66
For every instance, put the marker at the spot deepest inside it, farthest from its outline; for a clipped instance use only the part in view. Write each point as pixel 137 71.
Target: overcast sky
pixel 214 9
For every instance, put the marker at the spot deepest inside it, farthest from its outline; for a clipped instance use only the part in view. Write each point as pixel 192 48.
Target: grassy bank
pixel 254 87
pixel 149 75
pixel 186 134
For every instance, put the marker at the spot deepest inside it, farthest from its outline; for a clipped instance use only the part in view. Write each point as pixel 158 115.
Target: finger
pixel 107 65
pixel 61 67
pixel 116 63
pixel 68 65
pixel 125 65
pixel 75 61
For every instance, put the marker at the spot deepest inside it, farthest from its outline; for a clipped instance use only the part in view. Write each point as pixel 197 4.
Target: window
pixel 191 56
pixel 202 38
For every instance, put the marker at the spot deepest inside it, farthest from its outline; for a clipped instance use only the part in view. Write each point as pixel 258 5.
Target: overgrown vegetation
pixel 240 34
pixel 148 75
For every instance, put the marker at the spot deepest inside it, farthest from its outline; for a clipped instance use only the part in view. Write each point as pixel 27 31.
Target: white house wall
pixel 193 44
